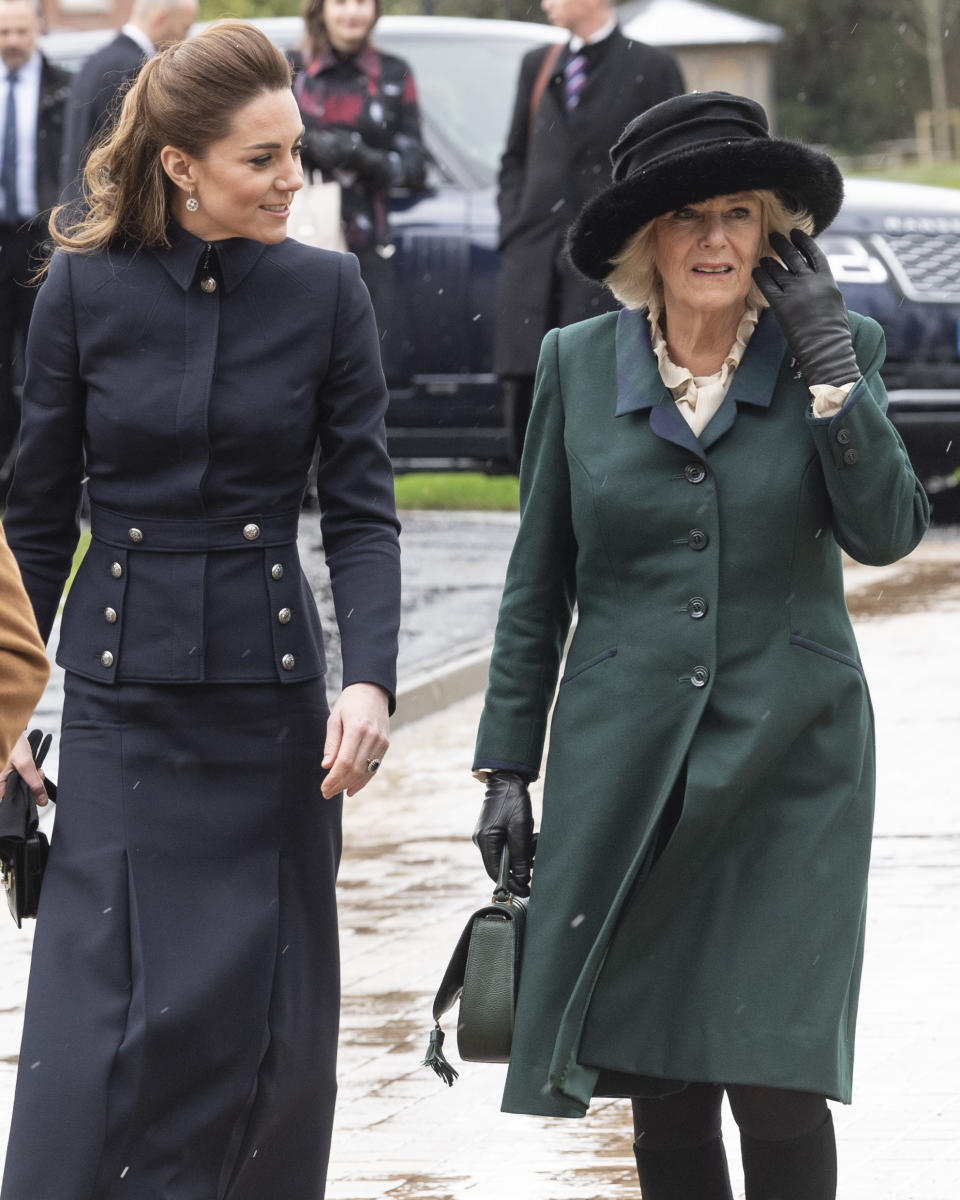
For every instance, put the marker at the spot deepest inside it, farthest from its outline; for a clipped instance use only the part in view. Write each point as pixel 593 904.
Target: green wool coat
pixel 712 638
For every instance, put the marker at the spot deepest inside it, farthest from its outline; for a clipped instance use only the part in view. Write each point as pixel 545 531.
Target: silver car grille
pixel 925 265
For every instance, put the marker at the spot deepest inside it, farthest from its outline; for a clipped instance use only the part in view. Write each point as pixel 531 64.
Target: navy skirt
pixel 182 1014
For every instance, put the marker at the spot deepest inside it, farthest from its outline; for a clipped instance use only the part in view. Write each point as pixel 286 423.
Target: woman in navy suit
pixel 185 356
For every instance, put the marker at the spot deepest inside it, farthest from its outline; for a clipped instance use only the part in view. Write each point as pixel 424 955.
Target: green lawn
pixel 937 174
pixel 457 490
pixel 77 558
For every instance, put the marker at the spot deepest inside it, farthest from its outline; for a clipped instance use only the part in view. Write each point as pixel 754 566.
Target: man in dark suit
pixel 153 25
pixel 570 108
pixel 32 98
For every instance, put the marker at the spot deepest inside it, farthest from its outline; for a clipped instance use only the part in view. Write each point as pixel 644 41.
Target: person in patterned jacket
pixel 362 122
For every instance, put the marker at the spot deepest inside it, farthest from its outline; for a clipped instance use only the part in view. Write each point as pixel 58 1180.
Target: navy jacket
pixel 194 413
pixel 54 89
pixel 93 97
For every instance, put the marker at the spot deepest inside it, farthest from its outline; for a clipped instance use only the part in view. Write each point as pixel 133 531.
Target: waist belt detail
pixel 219 533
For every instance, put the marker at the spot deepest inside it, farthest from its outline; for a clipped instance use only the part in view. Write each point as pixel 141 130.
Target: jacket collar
pixel 639 385
pixel 236 257
pixel 365 60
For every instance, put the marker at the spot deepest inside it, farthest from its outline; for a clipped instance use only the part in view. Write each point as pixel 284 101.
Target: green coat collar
pixel 639 385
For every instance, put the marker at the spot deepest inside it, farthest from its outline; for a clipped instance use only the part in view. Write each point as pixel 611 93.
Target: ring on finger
pixel 373 765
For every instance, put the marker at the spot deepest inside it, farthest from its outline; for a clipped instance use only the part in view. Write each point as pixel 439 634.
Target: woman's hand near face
pixel 810 309
pixel 358 732
pixel 22 760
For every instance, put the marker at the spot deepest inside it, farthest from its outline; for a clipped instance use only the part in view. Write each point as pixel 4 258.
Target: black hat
pixel 689 149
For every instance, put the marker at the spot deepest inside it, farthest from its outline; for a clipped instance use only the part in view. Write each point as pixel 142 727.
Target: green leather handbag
pixel 484 974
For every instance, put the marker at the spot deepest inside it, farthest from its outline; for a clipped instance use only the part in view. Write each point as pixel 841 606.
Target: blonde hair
pixel 636 282
pixel 186 97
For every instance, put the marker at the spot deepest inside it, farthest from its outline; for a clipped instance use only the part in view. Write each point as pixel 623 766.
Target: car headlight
pixel 851 261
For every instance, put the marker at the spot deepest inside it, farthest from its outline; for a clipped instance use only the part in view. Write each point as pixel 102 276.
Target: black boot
pixel 804 1168
pixel 690 1173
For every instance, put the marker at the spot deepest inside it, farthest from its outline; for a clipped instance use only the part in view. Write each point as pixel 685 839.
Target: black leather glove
pixel 507 817
pixel 807 302
pixel 371 165
pixel 328 148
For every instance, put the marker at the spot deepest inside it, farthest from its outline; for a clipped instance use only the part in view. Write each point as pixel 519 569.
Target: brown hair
pixel 316 40
pixel 186 97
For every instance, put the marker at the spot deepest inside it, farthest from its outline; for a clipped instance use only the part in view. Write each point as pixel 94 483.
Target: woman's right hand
pixel 22 760
pixel 507 819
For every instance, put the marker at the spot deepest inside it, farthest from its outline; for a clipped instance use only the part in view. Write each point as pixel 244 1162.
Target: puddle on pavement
pixel 920 587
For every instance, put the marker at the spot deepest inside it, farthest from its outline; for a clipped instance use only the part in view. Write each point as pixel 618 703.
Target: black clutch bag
pixel 483 974
pixel 23 848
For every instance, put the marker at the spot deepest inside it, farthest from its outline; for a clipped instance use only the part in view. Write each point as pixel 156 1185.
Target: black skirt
pixel 181 1019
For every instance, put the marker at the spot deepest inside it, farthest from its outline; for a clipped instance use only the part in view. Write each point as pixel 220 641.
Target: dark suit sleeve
pixel 355 489
pixel 78 128
pixel 42 520
pixel 97 93
pixel 513 163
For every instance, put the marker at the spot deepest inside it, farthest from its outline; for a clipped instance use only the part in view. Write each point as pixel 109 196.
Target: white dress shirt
pixel 26 93
pixel 136 34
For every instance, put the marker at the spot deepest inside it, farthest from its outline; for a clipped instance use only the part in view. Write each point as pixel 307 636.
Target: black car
pixel 895 249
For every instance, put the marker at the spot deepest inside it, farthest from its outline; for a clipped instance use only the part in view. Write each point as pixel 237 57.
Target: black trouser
pixel 786 1139
pixel 18 262
pixel 517 394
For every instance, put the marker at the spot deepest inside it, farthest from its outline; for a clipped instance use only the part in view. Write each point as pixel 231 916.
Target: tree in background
pixel 851 75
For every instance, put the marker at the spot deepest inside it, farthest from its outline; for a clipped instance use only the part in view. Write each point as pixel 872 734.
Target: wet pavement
pixel 410 879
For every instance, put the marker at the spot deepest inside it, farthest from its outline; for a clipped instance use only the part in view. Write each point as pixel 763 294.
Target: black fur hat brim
pixel 804 177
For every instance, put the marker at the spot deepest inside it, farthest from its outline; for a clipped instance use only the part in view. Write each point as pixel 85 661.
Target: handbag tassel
pixel 435 1059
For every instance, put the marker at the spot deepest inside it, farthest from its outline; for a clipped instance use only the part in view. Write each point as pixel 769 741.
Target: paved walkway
pixel 410 878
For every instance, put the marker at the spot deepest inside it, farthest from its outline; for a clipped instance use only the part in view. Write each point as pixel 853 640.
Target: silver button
pixel 106 659
pixel 288 662
pixel 208 284
pixel 116 570
pixel 699 677
pixel 251 532
pixel 110 616
pixel 284 615
pixel 135 535
pixel 277 570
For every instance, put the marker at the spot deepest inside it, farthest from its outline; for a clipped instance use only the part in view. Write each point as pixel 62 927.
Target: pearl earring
pixel 192 203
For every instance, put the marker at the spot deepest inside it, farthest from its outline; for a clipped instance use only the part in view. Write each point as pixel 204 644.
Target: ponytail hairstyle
pixel 187 97
pixel 316 39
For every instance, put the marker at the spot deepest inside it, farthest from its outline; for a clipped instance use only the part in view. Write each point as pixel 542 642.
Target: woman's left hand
pixel 810 309
pixel 358 734
pixel 21 760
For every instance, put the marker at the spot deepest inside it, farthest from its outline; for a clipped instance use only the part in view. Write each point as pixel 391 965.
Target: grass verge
pixel 457 490
pixel 945 174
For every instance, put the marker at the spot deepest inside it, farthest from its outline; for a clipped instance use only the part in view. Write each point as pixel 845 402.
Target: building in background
pixel 717 50
pixel 84 14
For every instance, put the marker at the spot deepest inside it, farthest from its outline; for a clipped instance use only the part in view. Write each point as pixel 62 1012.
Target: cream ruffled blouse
pixel 699 396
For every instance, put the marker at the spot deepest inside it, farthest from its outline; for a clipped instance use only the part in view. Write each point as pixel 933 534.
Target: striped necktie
pixel 574 77
pixel 8 172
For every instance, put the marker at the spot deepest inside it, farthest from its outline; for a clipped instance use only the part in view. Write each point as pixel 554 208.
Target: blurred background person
pixel 571 104
pixel 697 465
pixel 32 97
pixel 153 25
pixel 362 122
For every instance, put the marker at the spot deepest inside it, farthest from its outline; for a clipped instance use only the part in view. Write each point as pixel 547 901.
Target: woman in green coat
pixel 695 465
